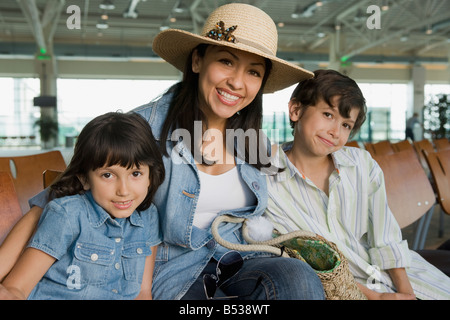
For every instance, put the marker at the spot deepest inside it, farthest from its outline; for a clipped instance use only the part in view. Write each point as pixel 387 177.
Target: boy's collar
pixel 340 158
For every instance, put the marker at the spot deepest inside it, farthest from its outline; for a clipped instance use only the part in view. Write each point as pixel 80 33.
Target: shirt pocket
pixel 94 261
pixel 133 260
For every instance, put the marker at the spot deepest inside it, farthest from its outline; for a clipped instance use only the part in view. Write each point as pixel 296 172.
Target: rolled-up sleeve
pixel 40 199
pixel 55 233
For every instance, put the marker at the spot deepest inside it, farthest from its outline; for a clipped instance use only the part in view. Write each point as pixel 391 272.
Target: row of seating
pixel 21 177
pixel 10 207
pixel 417 176
pixel 410 192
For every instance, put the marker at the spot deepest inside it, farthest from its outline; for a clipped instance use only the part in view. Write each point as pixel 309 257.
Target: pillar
pixel 45 65
pixel 416 97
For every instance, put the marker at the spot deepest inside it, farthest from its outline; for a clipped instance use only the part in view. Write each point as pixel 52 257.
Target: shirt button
pixel 94 257
pixel 117 266
pixel 139 250
pixel 118 240
pixel 211 244
pixel 115 291
pixel 255 185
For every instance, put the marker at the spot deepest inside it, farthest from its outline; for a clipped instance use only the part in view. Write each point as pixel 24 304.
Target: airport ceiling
pixel 364 31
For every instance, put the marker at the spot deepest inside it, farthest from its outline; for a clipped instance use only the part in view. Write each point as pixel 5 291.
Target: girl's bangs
pixel 116 151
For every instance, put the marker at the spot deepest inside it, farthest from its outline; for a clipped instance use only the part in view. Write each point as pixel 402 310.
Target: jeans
pixel 274 278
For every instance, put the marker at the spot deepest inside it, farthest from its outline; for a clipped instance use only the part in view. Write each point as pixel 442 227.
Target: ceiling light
pixel 107 5
pixel 297 13
pixel 307 11
pixel 102 24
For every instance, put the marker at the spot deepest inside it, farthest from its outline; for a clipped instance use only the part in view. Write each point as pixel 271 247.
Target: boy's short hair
pixel 325 85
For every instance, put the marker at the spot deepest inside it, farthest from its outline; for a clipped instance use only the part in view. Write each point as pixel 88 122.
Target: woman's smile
pixel 227 97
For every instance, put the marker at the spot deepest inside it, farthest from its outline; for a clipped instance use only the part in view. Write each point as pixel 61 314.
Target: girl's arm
pixel 147 279
pixel 17 239
pixel 28 271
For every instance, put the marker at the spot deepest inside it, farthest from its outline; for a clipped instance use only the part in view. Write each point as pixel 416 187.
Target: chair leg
pixel 441 223
pixel 422 230
pixel 419 227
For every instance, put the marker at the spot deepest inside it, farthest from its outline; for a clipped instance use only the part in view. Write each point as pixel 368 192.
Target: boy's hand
pixel 396 296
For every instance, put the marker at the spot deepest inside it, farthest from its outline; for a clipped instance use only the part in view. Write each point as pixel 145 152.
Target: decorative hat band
pixel 220 33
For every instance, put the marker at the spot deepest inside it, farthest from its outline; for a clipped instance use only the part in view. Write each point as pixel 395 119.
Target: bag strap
pixel 265 246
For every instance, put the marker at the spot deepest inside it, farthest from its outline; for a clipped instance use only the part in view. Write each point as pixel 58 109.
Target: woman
pixel 226 70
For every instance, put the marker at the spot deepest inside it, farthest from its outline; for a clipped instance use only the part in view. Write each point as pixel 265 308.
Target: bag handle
pixel 266 246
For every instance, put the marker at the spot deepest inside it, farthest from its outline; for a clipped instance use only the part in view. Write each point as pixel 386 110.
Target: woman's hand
pixel 5 294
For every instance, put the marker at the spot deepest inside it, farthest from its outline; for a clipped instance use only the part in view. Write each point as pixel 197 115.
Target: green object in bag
pixel 319 255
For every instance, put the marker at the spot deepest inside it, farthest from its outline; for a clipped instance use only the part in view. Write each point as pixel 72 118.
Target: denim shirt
pixel 97 257
pixel 186 249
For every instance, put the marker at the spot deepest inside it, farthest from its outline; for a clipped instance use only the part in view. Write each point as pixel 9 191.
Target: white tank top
pixel 226 191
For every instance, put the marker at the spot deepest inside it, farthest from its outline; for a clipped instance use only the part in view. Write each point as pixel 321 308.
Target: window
pixel 16 110
pixel 80 100
pixel 386 113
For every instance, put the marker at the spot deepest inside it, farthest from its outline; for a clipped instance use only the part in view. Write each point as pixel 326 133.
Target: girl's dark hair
pixel 325 85
pixel 114 138
pixel 184 111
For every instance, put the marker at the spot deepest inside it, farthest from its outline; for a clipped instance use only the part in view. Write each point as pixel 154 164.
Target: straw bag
pixel 322 255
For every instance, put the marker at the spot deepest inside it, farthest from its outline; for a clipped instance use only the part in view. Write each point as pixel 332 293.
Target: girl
pixel 97 239
pixel 226 70
pixel 339 193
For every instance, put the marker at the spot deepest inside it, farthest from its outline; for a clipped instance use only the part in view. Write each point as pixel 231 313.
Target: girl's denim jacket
pixel 186 250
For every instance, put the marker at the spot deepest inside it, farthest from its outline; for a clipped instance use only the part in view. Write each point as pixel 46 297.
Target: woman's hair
pixel 115 138
pixel 327 84
pixel 184 110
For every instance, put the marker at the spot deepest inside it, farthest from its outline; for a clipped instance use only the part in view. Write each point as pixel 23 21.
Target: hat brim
pixel 175 46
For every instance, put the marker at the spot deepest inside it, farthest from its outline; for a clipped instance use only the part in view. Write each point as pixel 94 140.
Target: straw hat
pixel 236 25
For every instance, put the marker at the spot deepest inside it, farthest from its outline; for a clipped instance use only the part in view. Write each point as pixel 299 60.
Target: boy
pixel 338 192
